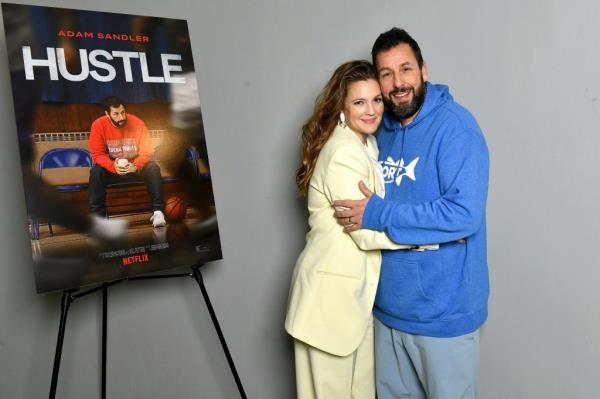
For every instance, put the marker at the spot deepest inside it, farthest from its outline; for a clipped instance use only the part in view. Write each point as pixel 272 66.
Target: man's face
pixel 117 116
pixel 402 82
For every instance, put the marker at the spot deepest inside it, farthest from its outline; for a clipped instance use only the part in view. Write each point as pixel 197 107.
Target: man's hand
pixel 349 213
pixel 121 168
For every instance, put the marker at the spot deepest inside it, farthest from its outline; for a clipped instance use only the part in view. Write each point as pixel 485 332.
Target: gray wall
pixel 527 70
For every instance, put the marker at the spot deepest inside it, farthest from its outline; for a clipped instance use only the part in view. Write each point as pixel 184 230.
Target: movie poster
pixel 113 153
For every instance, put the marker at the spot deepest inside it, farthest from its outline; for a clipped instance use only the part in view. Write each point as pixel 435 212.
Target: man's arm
pixel 346 167
pixel 98 148
pixel 458 213
pixel 145 149
pixel 349 213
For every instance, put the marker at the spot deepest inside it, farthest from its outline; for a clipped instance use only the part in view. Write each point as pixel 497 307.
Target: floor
pixel 68 259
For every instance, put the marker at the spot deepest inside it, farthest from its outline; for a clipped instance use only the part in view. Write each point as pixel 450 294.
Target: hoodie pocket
pixel 406 288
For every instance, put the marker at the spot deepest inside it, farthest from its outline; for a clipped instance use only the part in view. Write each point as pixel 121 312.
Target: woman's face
pixel 363 107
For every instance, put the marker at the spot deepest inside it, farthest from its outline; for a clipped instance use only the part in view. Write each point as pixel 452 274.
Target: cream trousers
pixel 321 375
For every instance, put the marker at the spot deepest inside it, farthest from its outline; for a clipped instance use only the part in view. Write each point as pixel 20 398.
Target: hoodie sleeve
pixel 145 150
pixel 462 166
pixel 346 168
pixel 98 148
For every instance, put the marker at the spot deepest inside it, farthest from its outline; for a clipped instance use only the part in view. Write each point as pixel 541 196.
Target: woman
pixel 335 278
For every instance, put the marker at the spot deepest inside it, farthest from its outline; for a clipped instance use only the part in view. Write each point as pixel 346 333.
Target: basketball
pixel 175 209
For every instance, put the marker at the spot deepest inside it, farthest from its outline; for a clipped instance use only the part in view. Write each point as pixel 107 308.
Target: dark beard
pixel 404 111
pixel 119 124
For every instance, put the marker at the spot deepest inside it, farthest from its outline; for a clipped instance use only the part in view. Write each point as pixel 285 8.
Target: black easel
pixel 71 294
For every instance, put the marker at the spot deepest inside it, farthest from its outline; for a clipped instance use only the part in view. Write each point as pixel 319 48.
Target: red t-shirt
pixel 108 142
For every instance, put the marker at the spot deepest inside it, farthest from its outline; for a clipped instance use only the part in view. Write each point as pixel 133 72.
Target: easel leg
pixel 198 277
pixel 104 333
pixel 64 306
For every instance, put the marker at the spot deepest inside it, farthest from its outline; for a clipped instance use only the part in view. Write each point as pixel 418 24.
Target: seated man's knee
pixel 151 167
pixel 96 172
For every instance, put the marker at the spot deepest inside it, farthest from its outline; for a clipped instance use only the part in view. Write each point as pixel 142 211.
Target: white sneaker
pixel 158 219
pixel 108 229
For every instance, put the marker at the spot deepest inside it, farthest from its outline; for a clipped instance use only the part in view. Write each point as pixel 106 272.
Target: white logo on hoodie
pixel 394 171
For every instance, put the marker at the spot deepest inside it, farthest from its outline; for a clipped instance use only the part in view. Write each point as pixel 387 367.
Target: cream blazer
pixel 335 278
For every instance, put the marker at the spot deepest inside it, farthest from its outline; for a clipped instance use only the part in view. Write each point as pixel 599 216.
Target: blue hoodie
pixel 436 178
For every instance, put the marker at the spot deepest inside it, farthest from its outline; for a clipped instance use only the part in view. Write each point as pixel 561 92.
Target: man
pixel 429 305
pixel 121 150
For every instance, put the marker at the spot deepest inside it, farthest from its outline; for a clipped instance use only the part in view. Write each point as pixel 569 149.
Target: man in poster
pixel 122 152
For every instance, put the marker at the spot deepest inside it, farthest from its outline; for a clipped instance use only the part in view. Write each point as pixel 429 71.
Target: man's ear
pixel 106 113
pixel 424 71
